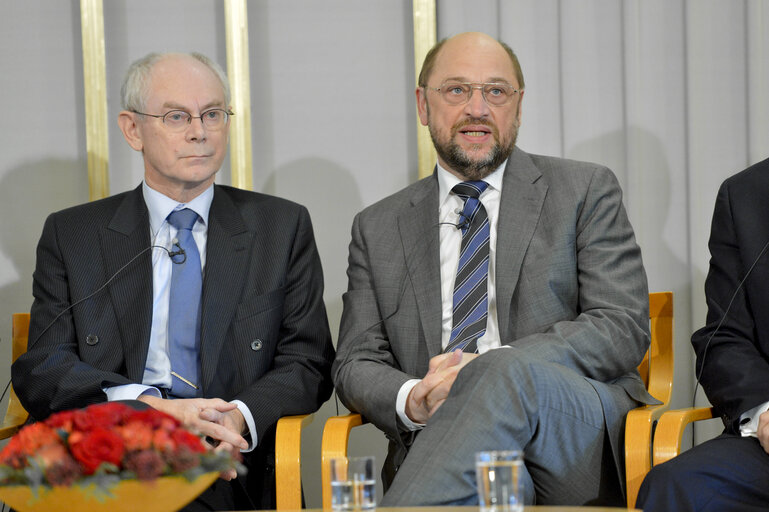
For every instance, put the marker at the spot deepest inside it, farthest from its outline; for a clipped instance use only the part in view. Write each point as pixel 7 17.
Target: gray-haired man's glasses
pixel 178 120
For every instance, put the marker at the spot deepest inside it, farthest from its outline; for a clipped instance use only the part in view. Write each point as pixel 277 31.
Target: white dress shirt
pixel 157 371
pixel 450 245
pixel 749 420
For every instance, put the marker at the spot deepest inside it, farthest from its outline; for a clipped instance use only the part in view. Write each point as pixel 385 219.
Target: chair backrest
pixel 656 369
pixel 16 415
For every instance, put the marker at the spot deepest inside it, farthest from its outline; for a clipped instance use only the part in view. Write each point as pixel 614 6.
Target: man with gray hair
pixel 203 301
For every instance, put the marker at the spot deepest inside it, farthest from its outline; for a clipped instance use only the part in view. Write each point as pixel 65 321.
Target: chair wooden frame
pixel 670 430
pixel 288 433
pixel 16 415
pixel 656 370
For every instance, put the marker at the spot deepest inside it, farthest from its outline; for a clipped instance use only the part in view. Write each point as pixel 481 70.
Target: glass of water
pixel 353 484
pixel 498 475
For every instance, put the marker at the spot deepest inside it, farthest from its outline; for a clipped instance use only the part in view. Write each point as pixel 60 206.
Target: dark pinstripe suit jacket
pixel 265 337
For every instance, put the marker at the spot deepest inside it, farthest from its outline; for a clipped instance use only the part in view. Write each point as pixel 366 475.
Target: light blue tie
pixel 470 300
pixel 184 308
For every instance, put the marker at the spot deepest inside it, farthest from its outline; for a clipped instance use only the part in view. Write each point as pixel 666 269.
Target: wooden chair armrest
pixel 639 432
pixel 336 434
pixel 670 429
pixel 15 417
pixel 288 466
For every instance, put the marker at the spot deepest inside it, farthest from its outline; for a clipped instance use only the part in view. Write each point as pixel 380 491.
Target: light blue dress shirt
pixel 157 371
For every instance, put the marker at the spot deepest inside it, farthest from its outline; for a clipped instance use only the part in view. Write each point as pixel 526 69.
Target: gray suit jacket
pixel 571 288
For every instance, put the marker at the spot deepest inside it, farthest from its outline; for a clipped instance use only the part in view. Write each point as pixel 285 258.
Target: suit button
pixel 256 345
pixel 92 339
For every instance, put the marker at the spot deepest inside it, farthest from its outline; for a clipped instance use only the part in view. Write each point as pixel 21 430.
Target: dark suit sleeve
pixel 299 379
pixel 734 372
pixel 51 376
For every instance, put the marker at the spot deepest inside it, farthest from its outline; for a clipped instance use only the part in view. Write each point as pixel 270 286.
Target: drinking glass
pixel 498 475
pixel 353 485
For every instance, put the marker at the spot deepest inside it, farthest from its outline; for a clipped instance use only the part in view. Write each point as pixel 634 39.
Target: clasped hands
pixel 429 394
pixel 214 418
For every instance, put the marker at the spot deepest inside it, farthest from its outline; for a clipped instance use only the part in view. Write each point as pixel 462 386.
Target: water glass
pixel 498 475
pixel 353 485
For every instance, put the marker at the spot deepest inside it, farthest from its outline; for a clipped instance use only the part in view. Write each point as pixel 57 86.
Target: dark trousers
pixel 728 473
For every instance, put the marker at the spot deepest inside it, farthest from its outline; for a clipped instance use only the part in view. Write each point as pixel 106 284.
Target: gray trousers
pixel 505 400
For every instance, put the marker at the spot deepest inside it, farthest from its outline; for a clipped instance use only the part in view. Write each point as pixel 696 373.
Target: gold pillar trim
pixel 236 28
pixel 95 92
pixel 425 37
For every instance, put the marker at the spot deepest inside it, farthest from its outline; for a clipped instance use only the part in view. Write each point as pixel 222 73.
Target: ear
pixel 127 122
pixel 422 105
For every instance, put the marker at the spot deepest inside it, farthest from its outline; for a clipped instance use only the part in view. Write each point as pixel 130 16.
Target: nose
pixel 196 130
pixel 476 105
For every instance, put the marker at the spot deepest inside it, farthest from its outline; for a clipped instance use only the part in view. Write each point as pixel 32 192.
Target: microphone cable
pixel 179 251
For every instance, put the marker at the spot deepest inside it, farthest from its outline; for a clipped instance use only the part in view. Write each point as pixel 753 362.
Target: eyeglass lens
pixel 457 93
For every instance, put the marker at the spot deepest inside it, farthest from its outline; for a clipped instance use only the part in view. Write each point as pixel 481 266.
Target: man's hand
pixel 429 394
pixel 762 432
pixel 213 418
pixel 233 421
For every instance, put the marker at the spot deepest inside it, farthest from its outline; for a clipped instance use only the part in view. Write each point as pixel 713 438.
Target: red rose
pixel 136 435
pixel 155 419
pixel 162 441
pixel 93 448
pixel 186 439
pixel 61 420
pixel 13 454
pixel 104 415
pixel 33 437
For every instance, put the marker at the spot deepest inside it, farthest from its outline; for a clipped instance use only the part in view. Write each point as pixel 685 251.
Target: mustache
pixel 475 121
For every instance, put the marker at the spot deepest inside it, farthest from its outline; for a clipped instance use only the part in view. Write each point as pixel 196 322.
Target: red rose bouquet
pixel 104 444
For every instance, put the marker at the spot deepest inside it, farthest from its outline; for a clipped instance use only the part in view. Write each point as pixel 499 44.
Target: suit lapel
pixel 227 258
pixel 421 245
pixel 126 236
pixel 523 194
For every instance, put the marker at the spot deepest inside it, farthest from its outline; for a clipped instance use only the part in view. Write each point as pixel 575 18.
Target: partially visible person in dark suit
pixel 730 472
pixel 213 306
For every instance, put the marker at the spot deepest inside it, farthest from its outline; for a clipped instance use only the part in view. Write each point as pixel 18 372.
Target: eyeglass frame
pixel 479 86
pixel 162 117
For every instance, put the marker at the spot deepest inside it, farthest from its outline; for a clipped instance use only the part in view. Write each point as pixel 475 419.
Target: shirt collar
pixel 447 180
pixel 160 205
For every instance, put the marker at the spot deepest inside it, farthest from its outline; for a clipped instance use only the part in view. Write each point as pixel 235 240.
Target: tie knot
pixel 470 188
pixel 182 219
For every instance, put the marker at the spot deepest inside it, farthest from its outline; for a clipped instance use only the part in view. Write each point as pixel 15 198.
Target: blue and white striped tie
pixel 471 305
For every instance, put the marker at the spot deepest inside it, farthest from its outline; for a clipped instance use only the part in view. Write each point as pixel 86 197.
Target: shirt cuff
pixel 400 405
pixel 749 420
pixel 130 392
pixel 251 438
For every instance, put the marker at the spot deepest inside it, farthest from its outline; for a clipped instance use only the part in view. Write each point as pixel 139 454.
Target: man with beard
pixel 500 303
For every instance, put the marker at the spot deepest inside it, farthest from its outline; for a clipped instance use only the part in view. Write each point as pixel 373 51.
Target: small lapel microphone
pixel 178 252
pixel 465 221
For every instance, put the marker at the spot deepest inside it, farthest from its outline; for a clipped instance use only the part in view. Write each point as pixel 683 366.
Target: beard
pixel 460 161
